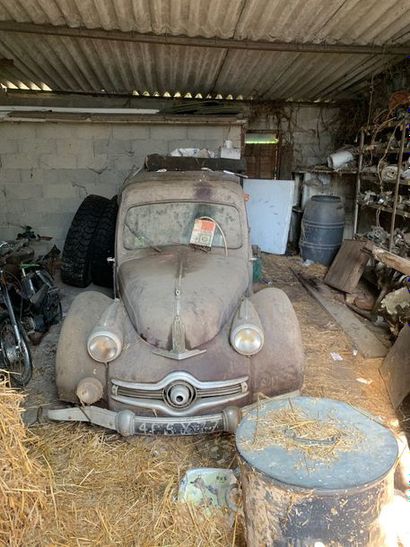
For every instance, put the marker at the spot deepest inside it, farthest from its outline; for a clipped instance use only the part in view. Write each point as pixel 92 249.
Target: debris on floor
pixel 209 487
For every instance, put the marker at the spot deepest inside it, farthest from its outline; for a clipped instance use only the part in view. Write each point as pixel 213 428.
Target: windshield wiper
pixel 140 235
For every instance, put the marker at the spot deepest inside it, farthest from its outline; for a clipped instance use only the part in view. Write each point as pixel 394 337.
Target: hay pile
pixel 76 485
pixel 291 428
pixel 24 482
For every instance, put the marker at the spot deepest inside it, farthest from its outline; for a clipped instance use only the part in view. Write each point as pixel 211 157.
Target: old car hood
pixel 201 288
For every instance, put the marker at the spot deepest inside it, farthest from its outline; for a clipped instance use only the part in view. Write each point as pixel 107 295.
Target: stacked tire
pixel 89 242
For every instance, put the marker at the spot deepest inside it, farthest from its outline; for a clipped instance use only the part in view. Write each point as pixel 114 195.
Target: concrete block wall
pixel 311 131
pixel 307 128
pixel 48 168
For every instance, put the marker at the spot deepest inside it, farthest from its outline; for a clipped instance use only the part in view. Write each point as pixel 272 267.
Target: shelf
pixel 385 209
pixel 382 127
pixel 325 171
pixel 380 149
pixel 372 177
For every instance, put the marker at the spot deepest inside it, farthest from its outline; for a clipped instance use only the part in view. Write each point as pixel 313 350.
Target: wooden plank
pixel 348 266
pixel 363 339
pixel 391 260
pixel 395 369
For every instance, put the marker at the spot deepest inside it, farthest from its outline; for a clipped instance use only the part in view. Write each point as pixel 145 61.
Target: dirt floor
pixel 80 489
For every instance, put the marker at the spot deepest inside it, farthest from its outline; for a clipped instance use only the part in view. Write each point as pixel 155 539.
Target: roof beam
pixel 198 41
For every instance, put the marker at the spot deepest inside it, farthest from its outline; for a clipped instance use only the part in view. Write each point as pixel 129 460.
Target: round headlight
pixel 103 347
pixel 247 340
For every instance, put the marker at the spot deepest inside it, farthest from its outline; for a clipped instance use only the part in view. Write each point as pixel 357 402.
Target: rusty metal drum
pixel 314 472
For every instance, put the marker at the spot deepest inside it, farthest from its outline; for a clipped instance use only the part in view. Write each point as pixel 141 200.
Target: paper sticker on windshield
pixel 203 233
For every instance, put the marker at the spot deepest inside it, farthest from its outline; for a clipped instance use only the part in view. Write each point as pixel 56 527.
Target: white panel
pixel 269 211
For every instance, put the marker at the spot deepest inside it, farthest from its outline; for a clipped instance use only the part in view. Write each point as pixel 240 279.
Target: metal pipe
pixel 199 41
pixel 359 172
pixel 397 186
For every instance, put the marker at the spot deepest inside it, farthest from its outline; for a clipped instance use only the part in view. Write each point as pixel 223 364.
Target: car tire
pixel 104 246
pixel 76 258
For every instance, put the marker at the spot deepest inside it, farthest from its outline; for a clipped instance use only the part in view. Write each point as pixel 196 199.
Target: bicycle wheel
pixel 14 358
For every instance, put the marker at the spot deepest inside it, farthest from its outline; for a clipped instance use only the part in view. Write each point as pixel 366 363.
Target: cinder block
pixel 63 191
pixel 37 146
pixel 17 130
pixel 169 132
pixel 52 206
pixel 130 132
pixel 40 176
pixel 10 176
pixel 23 191
pixel 7 145
pixel 121 163
pixel 206 132
pixel 74 146
pixel 76 177
pixel 15 207
pixel 73 131
pixel 100 146
pixel 8 232
pixel 61 161
pixel 19 161
pixel 85 160
pixel 93 131
pixel 114 146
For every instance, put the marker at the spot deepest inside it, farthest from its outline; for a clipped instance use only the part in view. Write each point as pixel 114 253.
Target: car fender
pixel 72 360
pixel 279 366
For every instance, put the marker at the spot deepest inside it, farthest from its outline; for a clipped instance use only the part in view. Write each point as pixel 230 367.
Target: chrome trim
pixel 184 376
pixel 163 407
pixel 178 356
pixel 205 393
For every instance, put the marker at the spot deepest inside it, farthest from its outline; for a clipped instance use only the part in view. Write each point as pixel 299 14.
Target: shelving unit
pixel 380 150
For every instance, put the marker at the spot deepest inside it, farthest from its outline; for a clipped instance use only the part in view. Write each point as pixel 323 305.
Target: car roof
pixel 203 175
pixel 214 186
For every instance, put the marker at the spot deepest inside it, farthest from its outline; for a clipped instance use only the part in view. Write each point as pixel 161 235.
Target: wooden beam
pixel 362 338
pixel 391 260
pixel 199 41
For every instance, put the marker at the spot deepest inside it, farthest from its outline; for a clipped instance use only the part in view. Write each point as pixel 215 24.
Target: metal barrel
pixel 331 493
pixel 322 229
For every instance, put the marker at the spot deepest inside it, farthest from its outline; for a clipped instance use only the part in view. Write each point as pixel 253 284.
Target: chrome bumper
pixel 127 423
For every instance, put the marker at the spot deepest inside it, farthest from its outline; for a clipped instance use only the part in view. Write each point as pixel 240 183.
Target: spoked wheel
pixel 15 358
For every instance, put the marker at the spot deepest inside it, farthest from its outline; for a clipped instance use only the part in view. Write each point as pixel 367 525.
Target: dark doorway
pixel 262 154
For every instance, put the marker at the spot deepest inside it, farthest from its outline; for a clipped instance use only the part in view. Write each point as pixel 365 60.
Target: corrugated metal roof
pixel 85 64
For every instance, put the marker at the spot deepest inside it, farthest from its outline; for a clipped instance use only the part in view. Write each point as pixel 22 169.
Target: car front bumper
pixel 128 423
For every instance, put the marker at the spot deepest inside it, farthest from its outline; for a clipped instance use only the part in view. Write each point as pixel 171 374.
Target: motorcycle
pixel 29 305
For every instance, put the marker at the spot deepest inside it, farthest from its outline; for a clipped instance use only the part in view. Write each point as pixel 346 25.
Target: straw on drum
pixel 319 439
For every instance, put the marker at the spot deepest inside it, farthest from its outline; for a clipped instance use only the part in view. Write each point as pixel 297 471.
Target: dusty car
pixel 185 343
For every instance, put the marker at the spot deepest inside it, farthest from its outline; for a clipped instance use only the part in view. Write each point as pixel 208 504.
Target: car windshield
pixel 159 224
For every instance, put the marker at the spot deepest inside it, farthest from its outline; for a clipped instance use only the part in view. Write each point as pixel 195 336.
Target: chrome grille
pixel 155 396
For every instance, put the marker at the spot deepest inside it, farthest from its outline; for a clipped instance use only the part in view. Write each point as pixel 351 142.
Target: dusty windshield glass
pixel 160 224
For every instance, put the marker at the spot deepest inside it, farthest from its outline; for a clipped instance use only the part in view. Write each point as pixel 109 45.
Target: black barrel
pixel 322 229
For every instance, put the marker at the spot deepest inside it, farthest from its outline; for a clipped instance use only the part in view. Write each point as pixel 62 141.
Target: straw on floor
pixel 75 485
